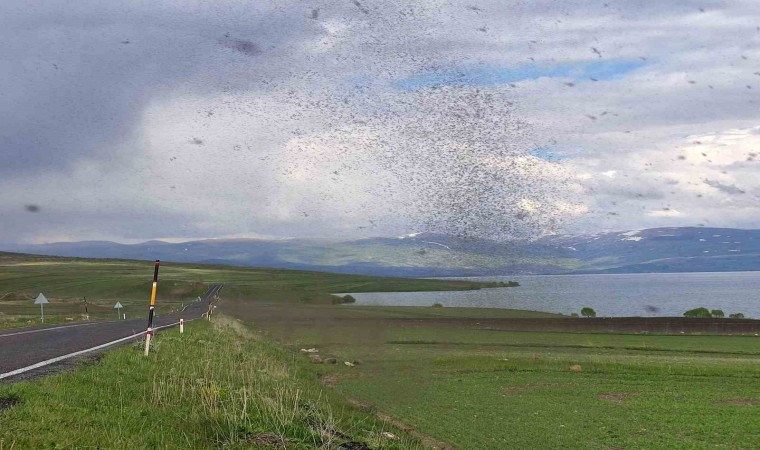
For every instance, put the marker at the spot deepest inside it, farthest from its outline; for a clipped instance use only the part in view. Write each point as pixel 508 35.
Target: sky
pixel 131 121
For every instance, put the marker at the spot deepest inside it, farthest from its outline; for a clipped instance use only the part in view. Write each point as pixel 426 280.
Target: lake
pixel 645 294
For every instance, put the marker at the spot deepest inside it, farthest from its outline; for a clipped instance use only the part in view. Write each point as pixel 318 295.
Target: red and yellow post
pixel 151 311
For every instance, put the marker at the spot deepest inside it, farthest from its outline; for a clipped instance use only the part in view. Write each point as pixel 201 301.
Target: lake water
pixel 658 294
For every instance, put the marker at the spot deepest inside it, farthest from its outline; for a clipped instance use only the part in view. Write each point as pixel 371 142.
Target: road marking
pixel 52 328
pixel 81 352
pixel 215 289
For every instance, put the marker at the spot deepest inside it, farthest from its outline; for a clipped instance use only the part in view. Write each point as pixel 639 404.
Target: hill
pixel 683 249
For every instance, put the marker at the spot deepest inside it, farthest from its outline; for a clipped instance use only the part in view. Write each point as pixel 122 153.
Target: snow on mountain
pixel 429 254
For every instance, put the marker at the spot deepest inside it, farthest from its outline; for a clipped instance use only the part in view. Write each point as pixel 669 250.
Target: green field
pixel 478 388
pixel 428 375
pixel 67 281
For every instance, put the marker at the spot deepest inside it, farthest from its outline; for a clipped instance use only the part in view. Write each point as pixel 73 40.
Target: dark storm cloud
pixel 73 89
pixel 90 220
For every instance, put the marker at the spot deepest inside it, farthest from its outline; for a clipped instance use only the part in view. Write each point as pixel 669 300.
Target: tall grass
pixel 218 385
pixel 240 393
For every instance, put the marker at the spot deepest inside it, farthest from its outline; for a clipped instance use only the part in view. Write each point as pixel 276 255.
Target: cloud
pixel 664 213
pixel 690 180
pixel 727 188
pixel 234 118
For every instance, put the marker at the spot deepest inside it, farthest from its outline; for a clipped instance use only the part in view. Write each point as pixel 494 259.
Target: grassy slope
pixel 208 389
pixel 217 385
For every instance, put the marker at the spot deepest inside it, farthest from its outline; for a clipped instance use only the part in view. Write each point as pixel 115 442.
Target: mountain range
pixel 682 249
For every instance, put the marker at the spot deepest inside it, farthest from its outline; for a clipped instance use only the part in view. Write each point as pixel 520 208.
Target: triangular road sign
pixel 117 305
pixel 40 299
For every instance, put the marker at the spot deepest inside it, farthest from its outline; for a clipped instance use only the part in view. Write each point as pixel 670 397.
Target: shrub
pixel 736 316
pixel 717 313
pixel 698 312
pixel 342 300
pixel 588 312
pixel 573 314
pixel 508 284
pixel 437 305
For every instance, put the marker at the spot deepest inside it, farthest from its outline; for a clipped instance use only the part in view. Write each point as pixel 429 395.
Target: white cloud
pixel 709 178
pixel 308 134
pixel 664 213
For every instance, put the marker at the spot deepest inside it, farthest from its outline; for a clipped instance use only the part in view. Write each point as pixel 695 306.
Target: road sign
pixel 118 307
pixel 41 300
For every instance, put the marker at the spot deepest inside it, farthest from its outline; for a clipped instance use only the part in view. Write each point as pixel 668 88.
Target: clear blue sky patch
pixel 484 75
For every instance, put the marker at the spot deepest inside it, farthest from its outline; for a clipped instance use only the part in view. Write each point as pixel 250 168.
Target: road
pixel 22 349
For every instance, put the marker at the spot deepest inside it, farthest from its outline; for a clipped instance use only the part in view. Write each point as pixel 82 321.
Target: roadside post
pixel 118 307
pixel 41 300
pixel 181 326
pixel 151 310
pixel 86 311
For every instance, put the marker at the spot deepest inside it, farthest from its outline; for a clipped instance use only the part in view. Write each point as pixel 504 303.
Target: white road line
pixel 80 324
pixel 52 328
pixel 71 355
pixel 81 352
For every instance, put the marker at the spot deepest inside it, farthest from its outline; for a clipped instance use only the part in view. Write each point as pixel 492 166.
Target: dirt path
pixel 426 440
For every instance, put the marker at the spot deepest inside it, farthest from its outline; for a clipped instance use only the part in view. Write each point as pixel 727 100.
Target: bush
pixel 736 316
pixel 698 312
pixel 588 312
pixel 717 313
pixel 342 300
pixel 437 305
pixel 573 314
pixel 508 284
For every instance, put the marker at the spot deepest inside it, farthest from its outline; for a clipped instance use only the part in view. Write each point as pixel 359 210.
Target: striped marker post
pixel 151 311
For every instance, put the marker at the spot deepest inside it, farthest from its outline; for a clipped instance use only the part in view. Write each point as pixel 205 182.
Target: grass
pixel 479 388
pixel 66 281
pixel 218 385
pixel 524 405
pixel 438 371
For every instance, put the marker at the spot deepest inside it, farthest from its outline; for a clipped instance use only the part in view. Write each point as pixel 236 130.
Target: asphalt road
pixel 24 347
